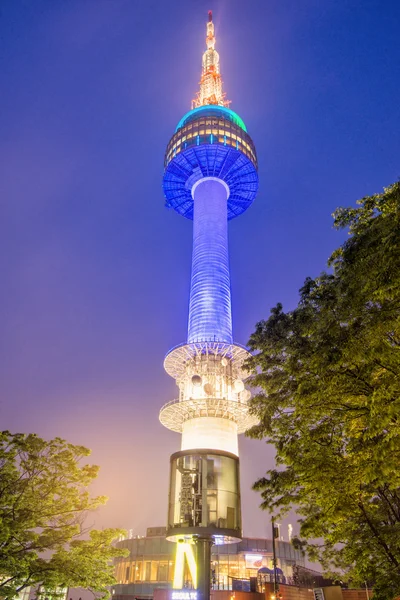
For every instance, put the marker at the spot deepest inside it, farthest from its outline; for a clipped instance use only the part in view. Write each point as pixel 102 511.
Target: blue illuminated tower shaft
pixel 210 315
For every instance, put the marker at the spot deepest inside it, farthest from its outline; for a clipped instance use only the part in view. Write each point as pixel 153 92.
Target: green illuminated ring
pixel 231 115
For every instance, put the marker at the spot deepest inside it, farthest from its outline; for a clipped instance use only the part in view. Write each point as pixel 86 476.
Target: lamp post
pixel 275 534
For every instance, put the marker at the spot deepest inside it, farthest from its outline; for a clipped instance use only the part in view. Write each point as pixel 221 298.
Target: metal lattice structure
pixel 210 91
pixel 175 413
pixel 177 358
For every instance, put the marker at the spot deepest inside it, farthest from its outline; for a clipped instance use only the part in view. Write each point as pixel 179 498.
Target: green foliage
pixel 328 379
pixel 43 504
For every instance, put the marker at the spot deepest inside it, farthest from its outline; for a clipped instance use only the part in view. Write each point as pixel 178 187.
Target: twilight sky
pixel 95 271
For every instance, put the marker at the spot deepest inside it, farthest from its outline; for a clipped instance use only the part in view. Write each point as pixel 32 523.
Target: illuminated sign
pixel 184 550
pixel 254 561
pixel 184 595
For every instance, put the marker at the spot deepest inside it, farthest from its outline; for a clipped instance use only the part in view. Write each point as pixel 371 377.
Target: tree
pixel 327 376
pixel 44 500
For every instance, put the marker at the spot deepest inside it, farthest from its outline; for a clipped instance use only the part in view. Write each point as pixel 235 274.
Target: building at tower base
pixel 148 572
pixel 152 560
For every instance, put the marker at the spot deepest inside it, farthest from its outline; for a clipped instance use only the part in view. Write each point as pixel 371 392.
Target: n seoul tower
pixel 210 177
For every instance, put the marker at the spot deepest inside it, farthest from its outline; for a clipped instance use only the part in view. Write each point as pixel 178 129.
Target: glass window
pixel 118 571
pixel 147 571
pixel 170 570
pixel 154 570
pixel 163 570
pixel 233 567
pixel 242 566
pixel 138 571
pixel 223 572
pixel 199 477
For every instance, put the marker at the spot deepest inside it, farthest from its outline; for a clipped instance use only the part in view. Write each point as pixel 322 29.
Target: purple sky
pixel 95 271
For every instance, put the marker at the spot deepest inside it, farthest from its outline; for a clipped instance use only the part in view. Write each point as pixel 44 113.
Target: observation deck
pixel 210 377
pixel 210 141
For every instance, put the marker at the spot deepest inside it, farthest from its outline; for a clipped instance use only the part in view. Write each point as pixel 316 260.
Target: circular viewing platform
pixel 176 360
pixel 174 414
pixel 210 141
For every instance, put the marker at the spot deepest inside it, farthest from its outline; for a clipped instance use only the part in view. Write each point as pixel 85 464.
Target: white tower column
pixel 210 432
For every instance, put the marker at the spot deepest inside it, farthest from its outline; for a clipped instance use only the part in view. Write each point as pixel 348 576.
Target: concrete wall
pixel 333 592
pixel 289 592
pixel 215 595
pixel 230 595
pixel 360 594
pixel 286 592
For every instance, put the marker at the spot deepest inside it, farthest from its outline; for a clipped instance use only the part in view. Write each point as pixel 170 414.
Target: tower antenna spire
pixel 210 92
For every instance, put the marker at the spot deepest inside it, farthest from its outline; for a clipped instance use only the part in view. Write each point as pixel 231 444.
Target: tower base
pixel 203 545
pixel 204 497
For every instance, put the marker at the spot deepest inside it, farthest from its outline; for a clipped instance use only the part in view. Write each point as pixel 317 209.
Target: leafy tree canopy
pixel 328 381
pixel 44 499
